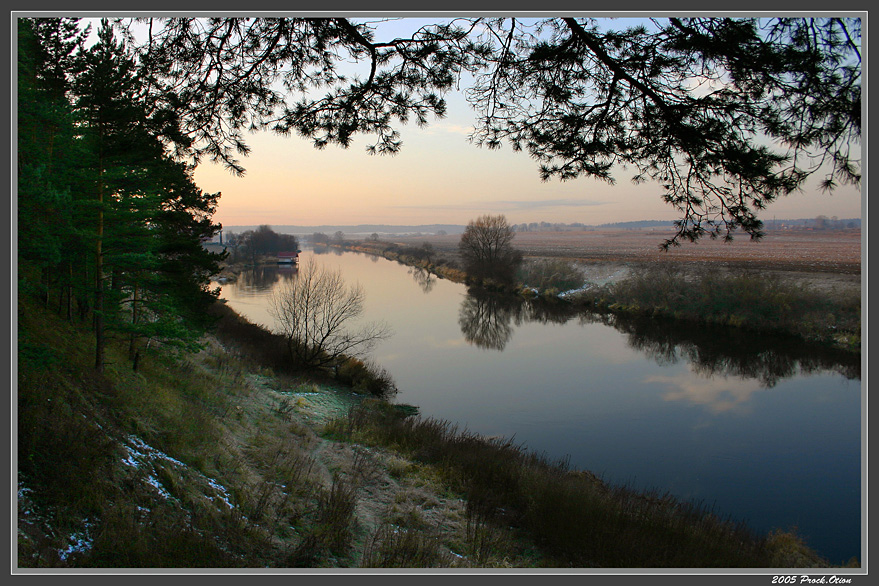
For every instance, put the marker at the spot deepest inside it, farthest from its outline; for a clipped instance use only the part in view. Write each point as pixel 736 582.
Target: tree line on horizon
pixel 251 244
pixel 819 222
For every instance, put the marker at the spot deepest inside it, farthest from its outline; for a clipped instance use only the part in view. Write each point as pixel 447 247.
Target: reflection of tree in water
pixel 423 277
pixel 488 319
pixel 729 351
pixel 262 278
pixel 485 318
pixel 547 312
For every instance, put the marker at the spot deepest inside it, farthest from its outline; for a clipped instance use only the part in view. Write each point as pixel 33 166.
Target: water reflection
pixel 718 395
pixel 488 320
pixel 260 279
pixel 425 279
pixel 714 351
pixel 327 250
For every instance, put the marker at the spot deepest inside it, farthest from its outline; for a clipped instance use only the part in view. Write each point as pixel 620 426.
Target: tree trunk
pixel 70 291
pixel 99 269
pixel 132 342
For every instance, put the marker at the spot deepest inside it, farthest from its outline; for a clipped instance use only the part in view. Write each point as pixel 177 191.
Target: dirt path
pixel 391 491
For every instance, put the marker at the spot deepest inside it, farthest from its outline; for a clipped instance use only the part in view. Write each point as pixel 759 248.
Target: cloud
pixel 718 395
pixel 509 205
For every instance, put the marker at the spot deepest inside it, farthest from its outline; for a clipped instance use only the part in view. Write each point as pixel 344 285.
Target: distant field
pixel 826 257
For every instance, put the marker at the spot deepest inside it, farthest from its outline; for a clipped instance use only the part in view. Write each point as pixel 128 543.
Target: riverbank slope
pixel 218 459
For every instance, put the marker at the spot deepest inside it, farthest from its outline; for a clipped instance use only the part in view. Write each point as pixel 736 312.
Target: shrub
pixel 550 274
pixel 745 299
pixel 366 377
pixel 331 534
pixel 399 547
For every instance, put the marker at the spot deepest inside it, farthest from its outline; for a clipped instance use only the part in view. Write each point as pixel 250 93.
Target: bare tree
pixel 486 248
pixel 314 312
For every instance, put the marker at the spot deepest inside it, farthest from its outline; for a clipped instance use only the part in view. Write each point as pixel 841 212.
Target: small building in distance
pixel 288 257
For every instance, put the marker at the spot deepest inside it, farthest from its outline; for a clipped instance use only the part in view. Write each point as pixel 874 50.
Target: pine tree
pixel 47 153
pixel 151 270
pixel 724 114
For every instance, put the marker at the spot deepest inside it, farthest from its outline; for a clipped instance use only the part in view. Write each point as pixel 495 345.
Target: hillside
pixel 199 460
pixel 218 459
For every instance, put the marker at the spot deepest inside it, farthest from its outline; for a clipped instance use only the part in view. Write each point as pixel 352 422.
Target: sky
pixel 439 177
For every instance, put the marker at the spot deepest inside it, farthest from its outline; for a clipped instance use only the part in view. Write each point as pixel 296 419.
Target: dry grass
pixel 795 250
pixel 204 460
pixel 575 519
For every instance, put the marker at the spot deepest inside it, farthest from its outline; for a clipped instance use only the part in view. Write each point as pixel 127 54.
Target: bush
pixel 745 299
pixel 400 547
pixel 550 274
pixel 366 377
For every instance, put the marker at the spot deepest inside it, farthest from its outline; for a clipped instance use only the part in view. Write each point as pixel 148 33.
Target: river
pixel 760 429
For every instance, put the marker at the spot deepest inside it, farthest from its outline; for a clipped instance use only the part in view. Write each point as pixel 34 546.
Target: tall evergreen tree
pixel 108 106
pixel 101 198
pixel 47 153
pixel 151 271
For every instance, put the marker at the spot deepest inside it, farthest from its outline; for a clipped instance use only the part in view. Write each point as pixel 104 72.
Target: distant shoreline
pixel 434 229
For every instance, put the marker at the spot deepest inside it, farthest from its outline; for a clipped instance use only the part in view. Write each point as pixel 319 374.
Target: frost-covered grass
pixel 177 465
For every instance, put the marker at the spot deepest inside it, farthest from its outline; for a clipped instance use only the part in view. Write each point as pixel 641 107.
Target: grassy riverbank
pixel 222 458
pixel 752 300
pixel 738 299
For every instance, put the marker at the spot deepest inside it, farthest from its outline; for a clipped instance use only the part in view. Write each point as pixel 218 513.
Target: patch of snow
pixel 223 493
pixel 79 542
pixel 572 292
pixel 130 461
pixel 154 482
pixel 25 505
pixel 597 279
pixel 150 452
pixel 23 491
pixel 141 454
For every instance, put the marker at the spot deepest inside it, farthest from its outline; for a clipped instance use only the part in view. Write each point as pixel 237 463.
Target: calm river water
pixel 761 430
